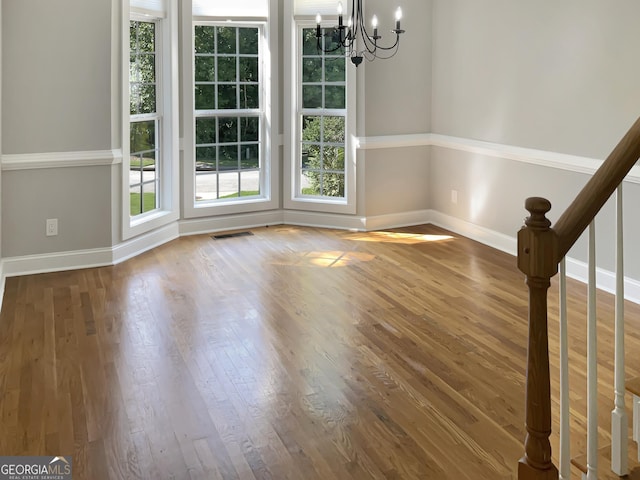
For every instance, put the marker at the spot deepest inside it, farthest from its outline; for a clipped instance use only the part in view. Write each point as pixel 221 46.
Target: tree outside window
pixel 323 114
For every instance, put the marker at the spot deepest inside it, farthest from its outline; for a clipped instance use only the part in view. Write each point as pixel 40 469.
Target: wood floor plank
pixel 294 353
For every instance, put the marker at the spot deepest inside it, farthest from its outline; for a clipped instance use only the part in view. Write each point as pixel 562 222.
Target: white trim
pixel 576 269
pixel 142 243
pixel 89 158
pixel 396 220
pixel 57 261
pixel 493 239
pixel 90 258
pixel 199 226
pixel 544 158
pixel 324 220
pixel 605 280
pixel 394 141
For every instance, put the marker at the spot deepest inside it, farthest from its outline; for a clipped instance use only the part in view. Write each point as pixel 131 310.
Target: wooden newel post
pixel 537 259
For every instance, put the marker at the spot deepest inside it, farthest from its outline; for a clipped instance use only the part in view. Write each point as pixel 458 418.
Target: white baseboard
pixel 605 280
pixel 97 257
pixel 142 243
pixel 576 269
pixel 396 220
pixel 480 234
pixel 56 261
pixel 222 223
pixel 324 220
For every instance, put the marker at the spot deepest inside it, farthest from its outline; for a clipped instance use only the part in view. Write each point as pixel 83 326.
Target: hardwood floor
pixel 293 353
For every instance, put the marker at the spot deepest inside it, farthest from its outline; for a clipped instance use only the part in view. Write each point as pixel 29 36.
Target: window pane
pixel 248 40
pixel 311 96
pixel 205 69
pixel 147 68
pixel 333 185
pixel 206 185
pixel 205 97
pixel 135 200
pixel 133 36
pixel 335 97
pixel 135 169
pixel 311 129
pixel 228 130
pixel 142 136
pixel 205 130
pixel 205 158
pixel 309 42
pixel 146 37
pixel 229 184
pixel 333 158
pixel 249 96
pixel 250 184
pixel 227 69
pixel 332 43
pixel 333 129
pixel 149 197
pixel 249 129
pixel 227 40
pixel 312 70
pixel 310 182
pixel 204 39
pixel 248 69
pixel 311 157
pixel 228 159
pixel 134 98
pixel 147 99
pixel 250 156
pixel 227 97
pixel 334 69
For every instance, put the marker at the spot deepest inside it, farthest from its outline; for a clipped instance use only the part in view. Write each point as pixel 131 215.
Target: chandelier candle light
pixel 348 36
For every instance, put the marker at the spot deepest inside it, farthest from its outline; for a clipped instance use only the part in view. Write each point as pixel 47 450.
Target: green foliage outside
pixel 323 155
pixel 148 203
pixel 323 135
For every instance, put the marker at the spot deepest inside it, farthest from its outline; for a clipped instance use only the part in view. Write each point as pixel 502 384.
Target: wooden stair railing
pixel 540 249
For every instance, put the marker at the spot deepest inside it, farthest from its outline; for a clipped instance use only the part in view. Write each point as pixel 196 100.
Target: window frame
pixel 167 194
pixel 238 113
pixel 269 197
pixel 293 197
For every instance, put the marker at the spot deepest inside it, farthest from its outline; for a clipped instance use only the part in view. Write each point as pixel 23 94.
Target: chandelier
pixel 354 37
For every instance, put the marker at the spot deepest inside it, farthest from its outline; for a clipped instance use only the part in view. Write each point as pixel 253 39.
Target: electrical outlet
pixel 454 196
pixel 52 227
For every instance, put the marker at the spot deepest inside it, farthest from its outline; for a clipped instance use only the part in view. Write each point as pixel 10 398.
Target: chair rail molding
pixel 32 161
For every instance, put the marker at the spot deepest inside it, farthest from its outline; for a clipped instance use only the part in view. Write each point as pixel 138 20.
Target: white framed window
pixel 229 156
pixel 320 157
pixel 229 113
pixel 150 129
pixel 145 167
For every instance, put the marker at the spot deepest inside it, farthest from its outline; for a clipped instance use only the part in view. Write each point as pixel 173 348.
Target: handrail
pixel 540 249
pixel 577 217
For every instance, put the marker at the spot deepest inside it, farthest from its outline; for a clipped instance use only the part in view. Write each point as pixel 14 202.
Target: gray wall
pixel 57 75
pixel 556 76
pixel 56 90
pixel 397 101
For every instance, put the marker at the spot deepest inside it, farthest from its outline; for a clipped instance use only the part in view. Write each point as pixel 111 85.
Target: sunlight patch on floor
pixel 396 237
pixel 327 259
